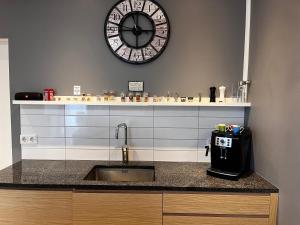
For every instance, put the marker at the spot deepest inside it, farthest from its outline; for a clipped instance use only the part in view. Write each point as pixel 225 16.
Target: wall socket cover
pixel 77 90
pixel 28 139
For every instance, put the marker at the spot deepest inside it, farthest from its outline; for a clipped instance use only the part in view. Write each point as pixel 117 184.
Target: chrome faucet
pixel 125 146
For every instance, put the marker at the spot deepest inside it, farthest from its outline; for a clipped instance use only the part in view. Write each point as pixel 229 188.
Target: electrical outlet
pixel 77 90
pixel 28 139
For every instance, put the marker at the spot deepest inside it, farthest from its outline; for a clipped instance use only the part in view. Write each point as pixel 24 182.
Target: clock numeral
pixel 158 43
pixel 112 30
pixel 115 16
pixel 162 31
pixel 124 52
pixel 115 42
pixel 124 7
pixel 150 8
pixel 149 52
pixel 137 5
pixel 159 17
pixel 136 55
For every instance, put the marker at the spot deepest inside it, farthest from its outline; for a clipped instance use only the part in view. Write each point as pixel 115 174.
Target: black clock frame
pixel 124 42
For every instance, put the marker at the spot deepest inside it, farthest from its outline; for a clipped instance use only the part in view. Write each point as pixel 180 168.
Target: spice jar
pixel 131 96
pixel 106 95
pixel 123 97
pixel 112 95
pixel 146 97
pixel 138 97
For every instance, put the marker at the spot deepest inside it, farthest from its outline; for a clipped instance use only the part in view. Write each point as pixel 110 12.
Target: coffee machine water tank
pixel 230 154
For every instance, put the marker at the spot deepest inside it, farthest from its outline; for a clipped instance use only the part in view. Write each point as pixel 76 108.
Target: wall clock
pixel 137 31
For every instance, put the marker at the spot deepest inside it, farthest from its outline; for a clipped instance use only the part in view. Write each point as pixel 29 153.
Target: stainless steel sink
pixel 122 174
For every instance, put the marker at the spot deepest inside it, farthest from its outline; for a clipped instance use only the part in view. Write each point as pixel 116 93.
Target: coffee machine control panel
pixel 223 142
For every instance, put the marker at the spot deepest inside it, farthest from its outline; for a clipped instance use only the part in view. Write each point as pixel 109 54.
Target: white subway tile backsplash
pixel 205 134
pixel 84 143
pixel 176 156
pixel 177 145
pixel 146 144
pixel 48 143
pixel 179 122
pixel 44 132
pixel 202 157
pixel 131 111
pixel 42 110
pixel 134 155
pixel 133 133
pixel 202 143
pixel 131 121
pixel 212 122
pixel 176 133
pixel 43 154
pixel 42 120
pixel 87 132
pixel 84 110
pixel 176 111
pixel 87 121
pixel 221 112
pixel 78 132
pixel 86 154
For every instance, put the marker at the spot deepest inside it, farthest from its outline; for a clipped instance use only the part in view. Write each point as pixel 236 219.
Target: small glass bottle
pixel 112 95
pixel 106 95
pixel 131 96
pixel 154 98
pixel 123 97
pixel 146 97
pixel 138 97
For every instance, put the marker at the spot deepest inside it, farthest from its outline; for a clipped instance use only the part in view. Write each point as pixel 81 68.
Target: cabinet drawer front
pixel 189 220
pixel 217 204
pixel 117 209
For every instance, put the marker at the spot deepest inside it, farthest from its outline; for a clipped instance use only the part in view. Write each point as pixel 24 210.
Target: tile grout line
pixel 153 133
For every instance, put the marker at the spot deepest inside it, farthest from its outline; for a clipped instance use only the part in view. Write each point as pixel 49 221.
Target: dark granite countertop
pixel 39 174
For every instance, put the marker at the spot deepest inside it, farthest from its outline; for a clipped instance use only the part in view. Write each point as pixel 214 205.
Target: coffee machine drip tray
pixel 223 174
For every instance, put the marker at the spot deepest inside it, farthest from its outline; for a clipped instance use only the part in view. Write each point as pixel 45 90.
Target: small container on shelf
pixel 138 97
pixel 106 95
pixel 190 99
pixel 146 97
pixel 112 95
pixel 49 94
pixel 98 97
pixel 131 96
pixel 183 99
pixel 155 98
pixel 123 97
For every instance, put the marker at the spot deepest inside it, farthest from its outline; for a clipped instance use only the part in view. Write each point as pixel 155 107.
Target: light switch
pixel 77 90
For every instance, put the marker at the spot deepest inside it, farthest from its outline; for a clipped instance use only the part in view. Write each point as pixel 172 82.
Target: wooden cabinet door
pixel 198 220
pixel 117 209
pixel 18 207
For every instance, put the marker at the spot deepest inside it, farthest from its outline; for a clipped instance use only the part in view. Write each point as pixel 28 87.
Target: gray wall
pixel 274 117
pixel 59 43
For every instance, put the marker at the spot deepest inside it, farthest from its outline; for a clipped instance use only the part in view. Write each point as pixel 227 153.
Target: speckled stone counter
pixel 39 174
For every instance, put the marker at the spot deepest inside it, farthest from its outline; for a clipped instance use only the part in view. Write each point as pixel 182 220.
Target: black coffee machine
pixel 230 154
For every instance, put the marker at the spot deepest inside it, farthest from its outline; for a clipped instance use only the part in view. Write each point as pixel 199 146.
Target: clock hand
pixel 133 19
pixel 146 31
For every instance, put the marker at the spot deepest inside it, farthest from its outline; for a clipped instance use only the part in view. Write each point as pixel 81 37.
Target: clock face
pixel 137 31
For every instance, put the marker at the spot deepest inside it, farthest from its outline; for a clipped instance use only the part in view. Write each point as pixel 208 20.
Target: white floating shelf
pixel 203 103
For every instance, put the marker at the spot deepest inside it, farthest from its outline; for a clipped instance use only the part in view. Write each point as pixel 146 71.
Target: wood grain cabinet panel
pixel 117 209
pixel 198 220
pixel 229 204
pixel 18 207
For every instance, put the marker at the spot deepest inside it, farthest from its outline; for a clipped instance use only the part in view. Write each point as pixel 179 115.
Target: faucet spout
pixel 124 147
